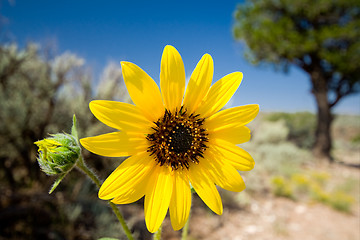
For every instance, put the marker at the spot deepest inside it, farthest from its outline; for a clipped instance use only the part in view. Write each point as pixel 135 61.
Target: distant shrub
pixel 283 158
pixel 271 132
pixel 346 132
pixel 281 187
pixel 274 154
pixel 302 183
pixel 350 184
pixel 341 201
pixel 346 121
pixel 356 139
pixel 320 177
pixel 319 194
pixel 301 127
pixel 314 186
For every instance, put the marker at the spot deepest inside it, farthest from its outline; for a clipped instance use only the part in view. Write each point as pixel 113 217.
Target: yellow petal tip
pixel 103 194
pixel 124 63
pixel 169 46
pixel 83 142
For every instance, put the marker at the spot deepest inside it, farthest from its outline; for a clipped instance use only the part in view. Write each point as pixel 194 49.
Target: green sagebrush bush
pixel 301 127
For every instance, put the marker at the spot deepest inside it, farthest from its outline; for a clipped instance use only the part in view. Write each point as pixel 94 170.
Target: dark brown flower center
pixel 178 139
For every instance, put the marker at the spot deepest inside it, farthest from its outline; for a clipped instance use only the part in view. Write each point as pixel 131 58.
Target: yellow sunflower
pixel 173 139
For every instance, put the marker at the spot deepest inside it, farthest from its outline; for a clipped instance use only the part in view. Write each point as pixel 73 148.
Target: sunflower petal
pixel 228 118
pixel 199 83
pixel 180 200
pixel 219 94
pixel 119 115
pixel 143 91
pixel 115 144
pixel 205 188
pixel 223 173
pixel 238 157
pixel 158 196
pixel 128 176
pixel 172 78
pixel 236 134
pixel 133 194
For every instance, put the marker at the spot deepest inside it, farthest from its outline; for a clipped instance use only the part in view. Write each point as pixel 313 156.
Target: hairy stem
pixel 157 234
pixel 185 230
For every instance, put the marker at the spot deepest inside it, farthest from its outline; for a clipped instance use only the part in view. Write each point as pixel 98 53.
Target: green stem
pixel 157 234
pixel 81 164
pixel 185 230
pixel 121 220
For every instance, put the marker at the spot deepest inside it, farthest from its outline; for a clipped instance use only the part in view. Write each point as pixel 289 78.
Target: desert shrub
pixel 356 139
pixel 39 93
pixel 341 201
pixel 346 132
pixel 318 193
pixel 349 184
pixel 320 177
pixel 273 155
pixel 314 186
pixel 301 182
pixel 271 132
pixel 281 187
pixel 301 127
pixel 284 158
pixel 346 121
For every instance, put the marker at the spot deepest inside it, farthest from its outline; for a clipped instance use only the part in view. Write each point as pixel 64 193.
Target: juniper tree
pixel 321 37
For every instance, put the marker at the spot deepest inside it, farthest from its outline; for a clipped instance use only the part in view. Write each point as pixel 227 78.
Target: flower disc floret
pixel 178 139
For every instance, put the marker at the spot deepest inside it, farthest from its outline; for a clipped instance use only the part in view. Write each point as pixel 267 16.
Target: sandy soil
pixel 277 218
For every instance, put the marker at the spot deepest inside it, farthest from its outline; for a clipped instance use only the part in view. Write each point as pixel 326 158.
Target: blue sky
pixel 137 31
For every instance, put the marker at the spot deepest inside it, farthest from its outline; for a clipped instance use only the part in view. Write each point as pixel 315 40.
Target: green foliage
pixel 301 127
pixel 294 32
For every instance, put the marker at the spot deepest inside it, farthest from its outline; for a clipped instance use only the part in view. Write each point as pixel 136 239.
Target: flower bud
pixel 58 153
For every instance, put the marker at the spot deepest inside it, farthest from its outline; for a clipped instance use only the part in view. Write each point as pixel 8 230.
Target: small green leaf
pixel 192 189
pixel 57 182
pixel 73 129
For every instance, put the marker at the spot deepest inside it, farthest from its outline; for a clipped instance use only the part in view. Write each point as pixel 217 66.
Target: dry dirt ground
pixel 277 219
pixel 267 217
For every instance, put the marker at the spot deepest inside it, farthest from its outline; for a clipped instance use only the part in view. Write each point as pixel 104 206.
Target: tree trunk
pixel 323 141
